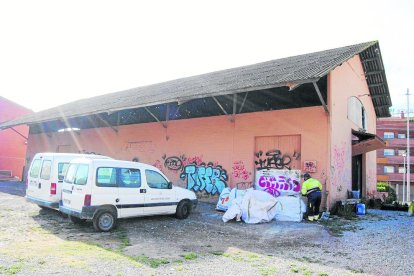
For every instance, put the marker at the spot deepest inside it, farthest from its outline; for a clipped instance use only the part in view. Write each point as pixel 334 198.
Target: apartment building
pixel 391 159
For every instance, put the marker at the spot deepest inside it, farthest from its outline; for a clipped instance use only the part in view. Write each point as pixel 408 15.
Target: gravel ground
pixel 39 242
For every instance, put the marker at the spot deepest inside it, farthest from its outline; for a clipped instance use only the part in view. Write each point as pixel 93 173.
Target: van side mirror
pixel 170 185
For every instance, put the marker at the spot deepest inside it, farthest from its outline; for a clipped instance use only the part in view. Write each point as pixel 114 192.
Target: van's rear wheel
pixel 104 221
pixel 77 220
pixel 183 210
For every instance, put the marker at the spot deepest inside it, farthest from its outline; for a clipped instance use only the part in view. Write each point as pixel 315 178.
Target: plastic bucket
pixel 360 209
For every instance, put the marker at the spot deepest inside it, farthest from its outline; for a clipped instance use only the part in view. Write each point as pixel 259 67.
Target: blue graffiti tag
pixel 205 178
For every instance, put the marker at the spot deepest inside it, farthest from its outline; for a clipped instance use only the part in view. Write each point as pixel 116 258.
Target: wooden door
pixel 278 152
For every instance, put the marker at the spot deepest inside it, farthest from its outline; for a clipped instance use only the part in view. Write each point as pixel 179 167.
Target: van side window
pixel 71 173
pixel 46 169
pixel 130 178
pixel 81 174
pixel 62 169
pixel 34 172
pixel 155 180
pixel 106 177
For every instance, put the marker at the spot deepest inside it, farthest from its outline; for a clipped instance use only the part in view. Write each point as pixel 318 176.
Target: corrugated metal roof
pixel 275 73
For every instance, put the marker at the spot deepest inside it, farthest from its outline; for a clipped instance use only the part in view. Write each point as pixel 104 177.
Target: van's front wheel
pixel 104 221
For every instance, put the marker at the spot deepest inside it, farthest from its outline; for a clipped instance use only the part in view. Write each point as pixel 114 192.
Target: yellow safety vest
pixel 311 185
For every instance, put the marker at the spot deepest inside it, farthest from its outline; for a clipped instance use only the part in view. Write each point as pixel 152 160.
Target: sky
pixel 55 52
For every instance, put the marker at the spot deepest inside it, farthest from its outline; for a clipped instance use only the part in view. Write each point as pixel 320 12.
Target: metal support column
pixel 320 97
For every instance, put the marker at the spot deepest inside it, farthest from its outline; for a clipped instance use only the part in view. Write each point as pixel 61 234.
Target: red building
pixel 391 160
pixel 13 141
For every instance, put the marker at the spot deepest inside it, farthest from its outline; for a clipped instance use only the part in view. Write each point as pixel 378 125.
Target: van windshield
pixel 71 173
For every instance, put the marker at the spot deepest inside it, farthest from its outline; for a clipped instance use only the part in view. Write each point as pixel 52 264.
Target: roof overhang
pixel 366 142
pixel 288 72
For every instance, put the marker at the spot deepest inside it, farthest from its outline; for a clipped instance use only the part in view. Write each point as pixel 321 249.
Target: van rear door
pixel 76 193
pixel 44 181
pixel 62 168
pixel 33 183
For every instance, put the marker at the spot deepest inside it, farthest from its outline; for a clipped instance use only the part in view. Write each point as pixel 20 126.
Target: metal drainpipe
pixel 408 197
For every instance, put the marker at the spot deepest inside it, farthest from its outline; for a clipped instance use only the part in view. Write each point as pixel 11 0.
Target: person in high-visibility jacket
pixel 312 189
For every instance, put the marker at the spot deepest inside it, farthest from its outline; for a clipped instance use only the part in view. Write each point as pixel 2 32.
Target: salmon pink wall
pixel 12 145
pixel 344 82
pixel 211 139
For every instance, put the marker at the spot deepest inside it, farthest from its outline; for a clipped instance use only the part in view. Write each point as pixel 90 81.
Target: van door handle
pixel 117 200
pixel 40 185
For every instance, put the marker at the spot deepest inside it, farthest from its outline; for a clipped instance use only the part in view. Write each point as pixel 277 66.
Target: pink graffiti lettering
pixel 273 186
pixel 239 170
pixel 197 160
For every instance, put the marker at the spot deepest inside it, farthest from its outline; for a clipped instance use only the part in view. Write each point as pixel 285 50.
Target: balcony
pixel 394 177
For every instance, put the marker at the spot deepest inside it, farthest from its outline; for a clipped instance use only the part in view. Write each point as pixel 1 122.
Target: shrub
pixel 383 187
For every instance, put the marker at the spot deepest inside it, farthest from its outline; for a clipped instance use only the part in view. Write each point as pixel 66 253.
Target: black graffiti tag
pixel 173 163
pixel 274 159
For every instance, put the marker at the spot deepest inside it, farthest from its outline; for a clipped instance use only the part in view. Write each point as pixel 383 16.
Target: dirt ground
pixel 38 242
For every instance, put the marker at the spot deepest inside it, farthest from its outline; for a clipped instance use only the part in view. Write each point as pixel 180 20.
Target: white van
pixel 45 177
pixel 105 190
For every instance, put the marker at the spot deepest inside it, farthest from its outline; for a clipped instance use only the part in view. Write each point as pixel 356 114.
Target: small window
pixel 130 178
pixel 401 135
pixel 62 169
pixel 71 173
pixel 46 169
pixel 155 180
pixel 388 169
pixel 34 171
pixel 106 177
pixel 389 152
pixel 81 174
pixel 401 170
pixel 388 135
pixel 401 152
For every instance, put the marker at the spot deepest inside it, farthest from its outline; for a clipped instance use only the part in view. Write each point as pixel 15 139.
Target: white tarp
pixel 291 208
pixel 255 207
pixel 227 197
pixel 278 182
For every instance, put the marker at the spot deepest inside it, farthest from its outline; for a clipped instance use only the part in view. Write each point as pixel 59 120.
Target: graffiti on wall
pixel 278 182
pixel 309 166
pixel 273 159
pixel 173 163
pixel 239 170
pixel 244 185
pixel 340 168
pixel 201 177
pixel 176 164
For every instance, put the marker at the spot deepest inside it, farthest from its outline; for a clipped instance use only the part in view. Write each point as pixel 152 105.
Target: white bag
pixel 227 198
pixel 291 208
pixel 258 206
pixel 224 200
pixel 234 211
